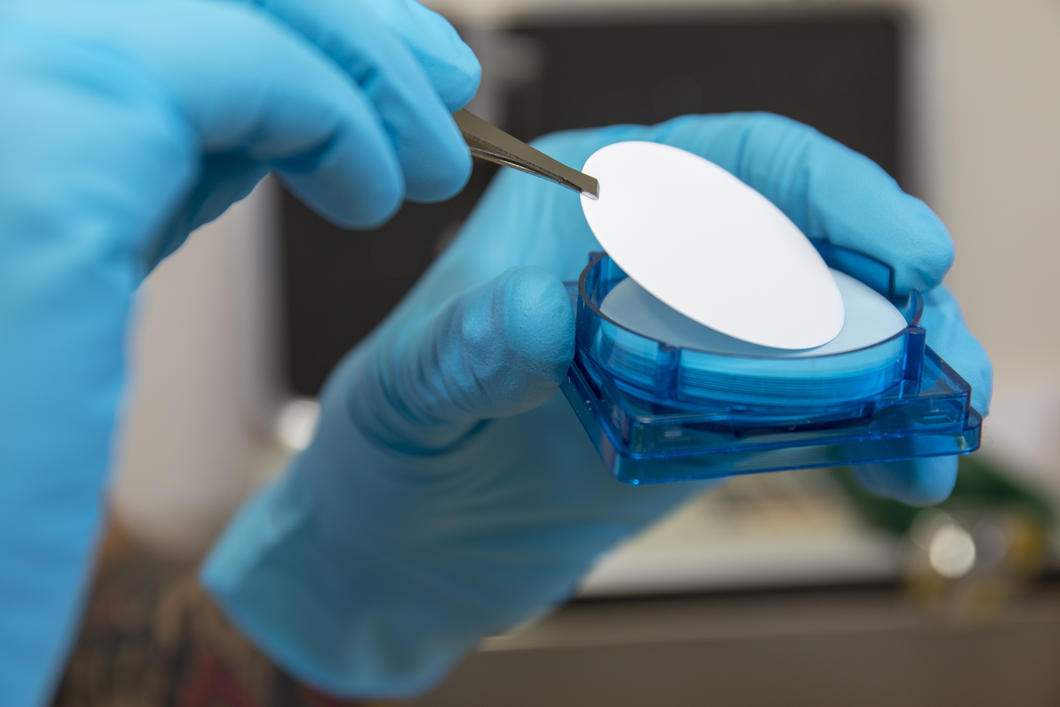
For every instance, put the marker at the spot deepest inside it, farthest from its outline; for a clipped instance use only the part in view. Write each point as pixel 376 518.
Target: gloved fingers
pixel 494 351
pixel 949 336
pixel 918 482
pixel 247 84
pixel 930 480
pixel 224 180
pixel 448 61
pixel 831 192
pixel 301 115
pixel 414 69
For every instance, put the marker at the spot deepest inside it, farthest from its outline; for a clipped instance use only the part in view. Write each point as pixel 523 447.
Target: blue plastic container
pixel 658 413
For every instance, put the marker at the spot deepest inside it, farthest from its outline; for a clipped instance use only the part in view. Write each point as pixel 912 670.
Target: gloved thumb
pixel 497 350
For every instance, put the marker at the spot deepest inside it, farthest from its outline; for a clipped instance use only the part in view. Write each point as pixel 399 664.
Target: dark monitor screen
pixel 838 72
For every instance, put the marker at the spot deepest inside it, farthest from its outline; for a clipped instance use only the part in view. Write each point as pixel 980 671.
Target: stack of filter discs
pixel 861 361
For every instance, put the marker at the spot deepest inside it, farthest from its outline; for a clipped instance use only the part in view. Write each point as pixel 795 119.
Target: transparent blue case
pixel 658 413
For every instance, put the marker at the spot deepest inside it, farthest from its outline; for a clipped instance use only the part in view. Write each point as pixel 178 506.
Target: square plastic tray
pixel 659 413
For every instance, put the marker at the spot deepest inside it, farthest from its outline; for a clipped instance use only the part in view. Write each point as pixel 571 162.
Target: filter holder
pixel 659 413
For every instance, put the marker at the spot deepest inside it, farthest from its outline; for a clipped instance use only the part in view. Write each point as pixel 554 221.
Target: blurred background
pixel 788 588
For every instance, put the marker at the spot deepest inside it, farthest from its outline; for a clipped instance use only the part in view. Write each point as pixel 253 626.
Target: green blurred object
pixel 979 483
pixel 971 555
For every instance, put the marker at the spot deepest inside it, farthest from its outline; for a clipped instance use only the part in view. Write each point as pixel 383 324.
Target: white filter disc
pixel 711 247
pixel 870 319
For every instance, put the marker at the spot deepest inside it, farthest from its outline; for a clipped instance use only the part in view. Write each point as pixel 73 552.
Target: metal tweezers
pixel 490 143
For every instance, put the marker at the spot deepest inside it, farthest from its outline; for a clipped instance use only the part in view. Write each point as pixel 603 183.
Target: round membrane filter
pixel 864 359
pixel 710 247
pixel 870 318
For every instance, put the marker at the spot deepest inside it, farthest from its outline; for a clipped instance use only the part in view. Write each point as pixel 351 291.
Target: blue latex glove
pixel 122 126
pixel 450 491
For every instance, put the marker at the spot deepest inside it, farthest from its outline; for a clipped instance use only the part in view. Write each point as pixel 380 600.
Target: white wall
pixel 988 153
pixel 992 157
pixel 198 436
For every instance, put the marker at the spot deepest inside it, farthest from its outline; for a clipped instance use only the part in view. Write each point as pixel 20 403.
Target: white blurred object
pixel 296 422
pixel 1023 427
pixel 952 551
pixel 205 382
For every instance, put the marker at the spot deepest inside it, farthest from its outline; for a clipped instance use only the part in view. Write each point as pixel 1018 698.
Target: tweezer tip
pixel 593 190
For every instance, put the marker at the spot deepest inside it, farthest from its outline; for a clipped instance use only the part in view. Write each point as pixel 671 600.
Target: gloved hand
pixel 449 491
pixel 124 125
